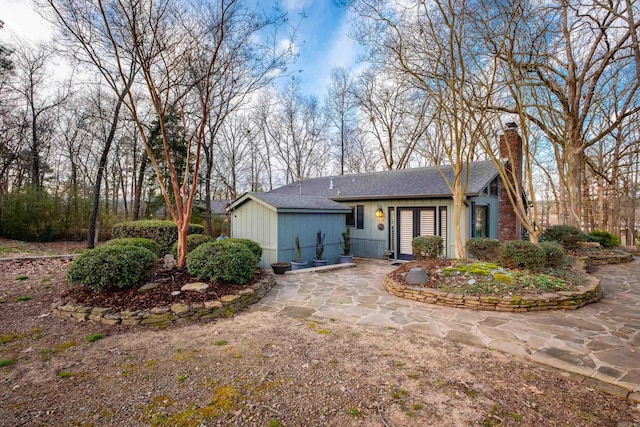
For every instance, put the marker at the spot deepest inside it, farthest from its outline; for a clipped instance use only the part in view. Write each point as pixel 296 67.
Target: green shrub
pixel 554 254
pixel 162 232
pixel 483 249
pixel 37 216
pixel 110 267
pixel 136 241
pixel 254 247
pixel 424 247
pixel 567 235
pixel 193 241
pixel 522 254
pixel 222 261
pixel 606 239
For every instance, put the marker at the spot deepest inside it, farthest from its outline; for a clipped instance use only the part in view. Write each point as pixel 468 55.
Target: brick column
pixel 510 148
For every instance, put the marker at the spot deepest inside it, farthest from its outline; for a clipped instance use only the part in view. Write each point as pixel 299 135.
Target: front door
pixel 413 222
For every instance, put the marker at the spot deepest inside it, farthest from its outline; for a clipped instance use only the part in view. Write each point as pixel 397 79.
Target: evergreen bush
pixel 567 235
pixel 254 247
pixel 115 266
pixel 522 254
pixel 225 262
pixel 483 249
pixel 606 239
pixel 162 232
pixel 136 241
pixel 424 247
pixel 193 241
pixel 554 254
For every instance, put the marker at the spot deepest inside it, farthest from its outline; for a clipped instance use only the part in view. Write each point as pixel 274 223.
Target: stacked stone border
pixel 226 306
pixel 563 300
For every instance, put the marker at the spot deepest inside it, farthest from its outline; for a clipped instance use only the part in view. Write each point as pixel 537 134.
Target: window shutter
pixel 443 229
pixel 360 217
pixel 427 222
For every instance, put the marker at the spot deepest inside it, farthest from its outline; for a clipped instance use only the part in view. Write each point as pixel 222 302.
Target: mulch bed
pixel 160 296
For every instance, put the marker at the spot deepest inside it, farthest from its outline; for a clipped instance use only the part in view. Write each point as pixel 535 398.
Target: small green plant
pixel 65 374
pixel 354 413
pixel 220 343
pixel 219 261
pixel 554 254
pixel 323 332
pixel 297 249
pixel 606 239
pixel 427 247
pixel 110 267
pixel 345 242
pixel 193 241
pixel 6 362
pixel 522 254
pixel 274 422
pixel 483 249
pixel 181 378
pixel 140 242
pixel 23 299
pixel 568 236
pixel 22 277
pixel 7 338
pixel 319 244
pixel 94 337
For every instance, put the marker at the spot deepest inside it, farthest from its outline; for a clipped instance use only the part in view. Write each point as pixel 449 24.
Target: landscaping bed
pixel 261 369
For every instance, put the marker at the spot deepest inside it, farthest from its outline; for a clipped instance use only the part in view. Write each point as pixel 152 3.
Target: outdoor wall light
pixel 380 213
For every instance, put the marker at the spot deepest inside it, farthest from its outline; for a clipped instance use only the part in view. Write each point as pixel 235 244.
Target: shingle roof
pixel 298 202
pixel 394 184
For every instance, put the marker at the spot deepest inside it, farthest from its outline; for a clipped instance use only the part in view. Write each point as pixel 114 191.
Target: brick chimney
pixel 510 149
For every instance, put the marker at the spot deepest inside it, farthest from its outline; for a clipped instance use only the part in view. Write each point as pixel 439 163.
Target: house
pixel 385 210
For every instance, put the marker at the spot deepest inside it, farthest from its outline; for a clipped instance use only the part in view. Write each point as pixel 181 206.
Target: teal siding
pixel 306 225
pixel 492 202
pixel 370 242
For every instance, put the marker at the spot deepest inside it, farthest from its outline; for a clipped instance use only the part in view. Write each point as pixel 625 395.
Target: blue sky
pixel 322 40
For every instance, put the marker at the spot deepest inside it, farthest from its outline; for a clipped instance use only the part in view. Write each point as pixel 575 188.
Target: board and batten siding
pixel 370 241
pixel 253 220
pixel 306 225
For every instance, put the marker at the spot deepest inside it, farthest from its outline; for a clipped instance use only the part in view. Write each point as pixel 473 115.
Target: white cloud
pixel 21 20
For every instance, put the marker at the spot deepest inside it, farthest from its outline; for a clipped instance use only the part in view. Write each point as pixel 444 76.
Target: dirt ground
pixel 257 369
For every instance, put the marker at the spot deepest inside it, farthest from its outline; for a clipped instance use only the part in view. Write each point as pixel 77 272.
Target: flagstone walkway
pixel 600 342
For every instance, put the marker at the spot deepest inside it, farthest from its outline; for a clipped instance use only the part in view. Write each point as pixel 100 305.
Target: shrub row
pixel 121 263
pixel 518 253
pixel 165 233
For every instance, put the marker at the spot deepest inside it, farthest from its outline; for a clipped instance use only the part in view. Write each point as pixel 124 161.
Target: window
pixel 493 187
pixel 355 218
pixel 481 221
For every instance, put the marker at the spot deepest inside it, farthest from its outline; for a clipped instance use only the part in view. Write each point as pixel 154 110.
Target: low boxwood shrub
pixel 222 261
pixel 254 247
pixel 606 239
pixel 193 241
pixel 424 247
pixel 136 241
pixel 162 232
pixel 483 249
pixel 522 254
pixel 567 235
pixel 554 254
pixel 115 266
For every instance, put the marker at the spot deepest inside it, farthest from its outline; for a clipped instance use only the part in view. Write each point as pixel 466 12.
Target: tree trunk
pixel 458 207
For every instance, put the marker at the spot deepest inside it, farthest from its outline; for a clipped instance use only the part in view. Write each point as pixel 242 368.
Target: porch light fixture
pixel 380 213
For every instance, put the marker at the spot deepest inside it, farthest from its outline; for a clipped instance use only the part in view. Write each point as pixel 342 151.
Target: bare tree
pixel 180 51
pixel 341 108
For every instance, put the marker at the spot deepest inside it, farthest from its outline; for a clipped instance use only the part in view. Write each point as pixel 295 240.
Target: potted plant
pixel 318 260
pixel 346 256
pixel 280 267
pixel 297 263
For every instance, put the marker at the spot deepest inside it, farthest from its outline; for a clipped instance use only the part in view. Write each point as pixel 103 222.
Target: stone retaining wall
pixel 225 307
pixel 608 259
pixel 565 300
